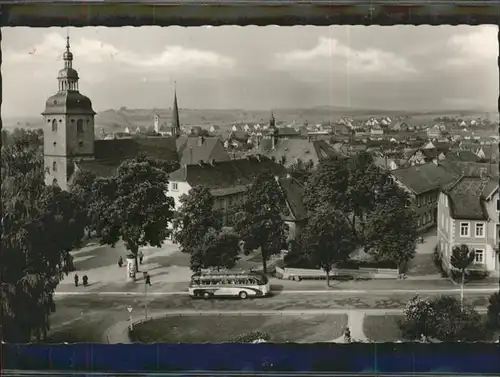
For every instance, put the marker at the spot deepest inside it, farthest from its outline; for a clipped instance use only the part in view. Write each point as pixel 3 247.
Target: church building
pixel 69 137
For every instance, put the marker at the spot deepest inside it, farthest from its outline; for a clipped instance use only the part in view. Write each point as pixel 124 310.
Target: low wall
pixel 362 272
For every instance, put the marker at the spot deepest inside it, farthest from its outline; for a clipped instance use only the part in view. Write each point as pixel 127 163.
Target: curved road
pixel 92 314
pixel 298 292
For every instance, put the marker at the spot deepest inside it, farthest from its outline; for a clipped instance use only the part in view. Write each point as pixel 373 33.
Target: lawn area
pixel 382 328
pixel 196 329
pixel 90 328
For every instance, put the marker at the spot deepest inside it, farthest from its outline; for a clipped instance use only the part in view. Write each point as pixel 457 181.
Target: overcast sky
pixel 398 67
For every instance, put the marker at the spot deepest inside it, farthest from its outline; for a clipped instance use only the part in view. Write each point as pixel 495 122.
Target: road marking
pixel 299 292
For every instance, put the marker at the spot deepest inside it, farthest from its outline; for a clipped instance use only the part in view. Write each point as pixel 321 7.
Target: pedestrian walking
pixel 141 257
pixel 347 335
pixel 76 280
pixel 148 279
pixel 85 280
pixel 120 262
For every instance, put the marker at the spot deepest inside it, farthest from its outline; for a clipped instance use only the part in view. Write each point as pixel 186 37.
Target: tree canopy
pixel 378 212
pixel 442 318
pixel 218 250
pixel 494 311
pixel 81 188
pixel 327 239
pixel 259 221
pixel 198 229
pixel 132 205
pixel 461 258
pixel 195 217
pixel 40 225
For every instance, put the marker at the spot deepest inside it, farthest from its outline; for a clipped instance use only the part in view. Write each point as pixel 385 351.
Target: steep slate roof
pixel 303 149
pixel 423 178
pixel 429 153
pixel 225 174
pixel 466 197
pixel 121 149
pixel 464 155
pixel 442 146
pixel 293 193
pixel 467 168
pixel 491 152
pixel 191 153
pixel 109 154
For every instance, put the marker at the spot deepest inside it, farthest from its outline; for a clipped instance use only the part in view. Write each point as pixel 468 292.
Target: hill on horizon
pixel 112 120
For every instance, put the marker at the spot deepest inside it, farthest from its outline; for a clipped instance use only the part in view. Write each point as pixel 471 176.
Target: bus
pixel 210 284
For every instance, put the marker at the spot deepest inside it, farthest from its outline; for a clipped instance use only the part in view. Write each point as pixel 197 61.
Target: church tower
pixel 69 126
pixel 273 130
pixel 176 124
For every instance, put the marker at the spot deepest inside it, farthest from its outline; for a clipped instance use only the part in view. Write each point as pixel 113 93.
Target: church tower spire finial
pixel 176 124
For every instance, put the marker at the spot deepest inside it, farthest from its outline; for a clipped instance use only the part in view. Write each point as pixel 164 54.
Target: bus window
pixel 252 281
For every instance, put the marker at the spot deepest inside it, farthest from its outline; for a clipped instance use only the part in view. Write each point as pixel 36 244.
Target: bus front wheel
pixel 206 295
pixel 243 295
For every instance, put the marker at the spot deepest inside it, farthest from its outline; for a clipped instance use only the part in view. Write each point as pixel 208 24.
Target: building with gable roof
pixel 423 183
pixel 69 135
pixel 468 214
pixel 229 180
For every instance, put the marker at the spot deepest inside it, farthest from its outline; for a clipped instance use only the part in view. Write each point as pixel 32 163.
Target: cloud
pixel 92 51
pixel 331 53
pixel 478 46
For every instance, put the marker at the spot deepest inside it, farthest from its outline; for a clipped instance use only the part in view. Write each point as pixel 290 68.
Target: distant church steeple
pixel 273 130
pixel 272 121
pixel 176 124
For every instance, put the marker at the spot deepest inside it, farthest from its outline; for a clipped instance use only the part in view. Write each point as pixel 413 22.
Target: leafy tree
pixel 461 258
pixel 39 228
pixel 454 321
pixel 194 222
pixel 327 239
pixel 418 314
pixel 219 250
pixel 132 205
pixel 391 229
pixel 494 311
pixel 81 188
pixel 369 200
pixel 442 318
pixel 259 221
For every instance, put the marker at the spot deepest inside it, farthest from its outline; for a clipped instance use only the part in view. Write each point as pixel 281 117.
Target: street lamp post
pixel 130 309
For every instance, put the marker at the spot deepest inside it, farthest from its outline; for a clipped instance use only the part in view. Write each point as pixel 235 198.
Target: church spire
pixel 68 77
pixel 176 124
pixel 272 120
